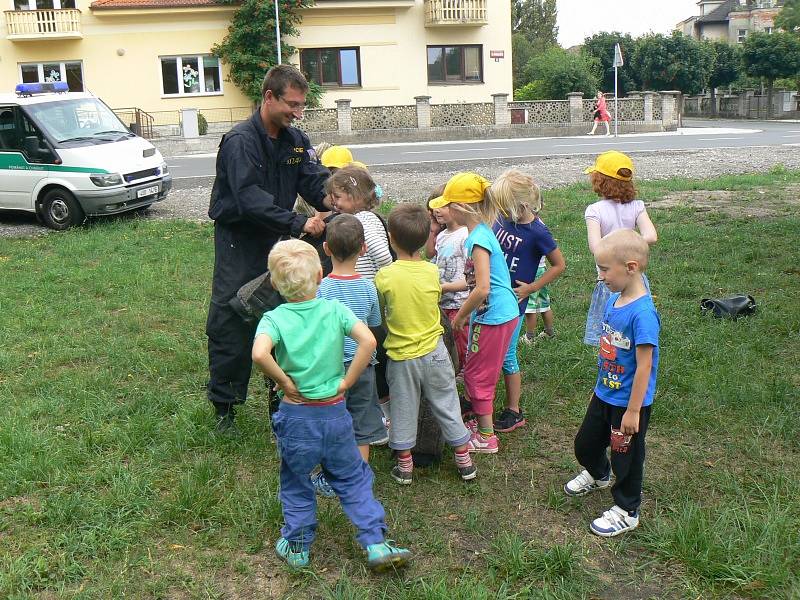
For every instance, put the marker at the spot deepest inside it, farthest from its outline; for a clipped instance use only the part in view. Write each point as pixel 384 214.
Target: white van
pixel 66 155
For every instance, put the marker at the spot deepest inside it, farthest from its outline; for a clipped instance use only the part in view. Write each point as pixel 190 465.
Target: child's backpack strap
pixel 386 229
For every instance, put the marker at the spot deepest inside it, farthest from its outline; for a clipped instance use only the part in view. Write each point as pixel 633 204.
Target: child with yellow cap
pixel 491 307
pixel 611 177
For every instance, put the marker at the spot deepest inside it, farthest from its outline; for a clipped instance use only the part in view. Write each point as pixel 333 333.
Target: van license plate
pixel 147 192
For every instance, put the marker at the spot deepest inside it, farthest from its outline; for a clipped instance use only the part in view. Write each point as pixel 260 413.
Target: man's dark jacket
pixel 258 180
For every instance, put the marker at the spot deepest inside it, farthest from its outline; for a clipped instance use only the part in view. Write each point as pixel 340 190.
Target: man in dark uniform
pixel 262 165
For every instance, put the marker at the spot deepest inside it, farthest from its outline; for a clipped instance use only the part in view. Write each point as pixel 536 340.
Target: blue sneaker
pixel 385 556
pixel 322 486
pixel 283 548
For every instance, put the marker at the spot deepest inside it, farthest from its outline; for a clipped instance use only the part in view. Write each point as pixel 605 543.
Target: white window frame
pixel 768 30
pixel 56 5
pixel 61 67
pixel 201 75
pixel 741 37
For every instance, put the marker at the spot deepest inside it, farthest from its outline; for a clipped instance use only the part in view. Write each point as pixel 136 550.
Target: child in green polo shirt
pixel 312 424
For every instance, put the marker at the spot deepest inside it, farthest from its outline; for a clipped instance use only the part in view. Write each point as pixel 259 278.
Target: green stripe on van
pixel 15 161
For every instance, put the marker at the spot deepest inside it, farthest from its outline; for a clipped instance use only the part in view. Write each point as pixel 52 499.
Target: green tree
pixel 521 52
pixel 601 47
pixel 249 46
pixel 536 20
pixel 675 62
pixel 789 20
pixel 771 57
pixel 726 68
pixel 556 72
pixel 789 17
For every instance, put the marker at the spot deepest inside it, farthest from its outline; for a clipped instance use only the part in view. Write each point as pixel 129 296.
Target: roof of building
pixel 103 4
pixel 719 14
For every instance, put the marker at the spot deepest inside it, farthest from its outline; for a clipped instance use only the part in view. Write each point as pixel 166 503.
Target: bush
pixel 531 91
pixel 202 124
pixel 556 72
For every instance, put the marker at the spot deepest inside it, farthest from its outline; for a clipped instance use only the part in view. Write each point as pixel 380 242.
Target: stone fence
pixel 424 121
pixel 744 105
pixel 644 108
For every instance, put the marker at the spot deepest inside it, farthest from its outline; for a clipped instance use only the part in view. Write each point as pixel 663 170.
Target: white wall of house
pixel 392 45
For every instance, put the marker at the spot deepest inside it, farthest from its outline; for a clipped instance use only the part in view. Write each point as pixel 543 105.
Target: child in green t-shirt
pixel 312 425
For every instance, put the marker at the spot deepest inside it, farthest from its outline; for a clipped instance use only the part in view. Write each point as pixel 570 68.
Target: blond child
pixel 312 425
pixel 491 307
pixel 525 241
pixel 619 411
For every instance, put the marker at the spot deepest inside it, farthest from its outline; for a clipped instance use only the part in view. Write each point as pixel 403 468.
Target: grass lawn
pixel 112 484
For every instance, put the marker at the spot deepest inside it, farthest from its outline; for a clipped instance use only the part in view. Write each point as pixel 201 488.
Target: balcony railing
pixel 26 25
pixel 455 12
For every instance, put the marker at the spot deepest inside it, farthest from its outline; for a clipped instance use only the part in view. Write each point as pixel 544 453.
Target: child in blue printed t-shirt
pixel 312 425
pixel 619 410
pixel 525 240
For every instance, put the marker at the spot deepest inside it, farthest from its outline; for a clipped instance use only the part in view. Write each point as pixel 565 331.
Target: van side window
pixel 15 126
pixel 8 129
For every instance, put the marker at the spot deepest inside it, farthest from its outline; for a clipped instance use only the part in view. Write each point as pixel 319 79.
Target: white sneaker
pixel 583 483
pixel 615 521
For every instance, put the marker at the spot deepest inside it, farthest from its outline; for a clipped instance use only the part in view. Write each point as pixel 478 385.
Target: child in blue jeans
pixel 312 424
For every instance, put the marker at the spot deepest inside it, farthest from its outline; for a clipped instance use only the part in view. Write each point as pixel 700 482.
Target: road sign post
pixel 618 62
pixel 278 32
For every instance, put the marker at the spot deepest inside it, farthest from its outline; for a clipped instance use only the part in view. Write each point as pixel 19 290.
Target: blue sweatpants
pixel 311 435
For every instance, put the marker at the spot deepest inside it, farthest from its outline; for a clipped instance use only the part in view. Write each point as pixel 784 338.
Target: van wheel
pixel 60 210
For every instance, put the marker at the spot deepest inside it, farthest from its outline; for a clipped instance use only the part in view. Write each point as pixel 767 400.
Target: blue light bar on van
pixel 28 89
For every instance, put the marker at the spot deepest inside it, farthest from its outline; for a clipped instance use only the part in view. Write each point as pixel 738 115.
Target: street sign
pixel 618 62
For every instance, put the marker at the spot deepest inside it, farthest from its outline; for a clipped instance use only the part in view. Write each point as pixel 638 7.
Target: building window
pixel 768 30
pixel 455 64
pixel 43 4
pixel 335 67
pixel 742 35
pixel 71 72
pixel 190 75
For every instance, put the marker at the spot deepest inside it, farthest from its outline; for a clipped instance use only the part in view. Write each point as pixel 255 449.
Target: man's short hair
pixel 344 236
pixel 624 245
pixel 410 226
pixel 279 77
pixel 294 269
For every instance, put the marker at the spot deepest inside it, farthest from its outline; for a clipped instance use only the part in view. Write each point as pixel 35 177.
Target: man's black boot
pixel 225 423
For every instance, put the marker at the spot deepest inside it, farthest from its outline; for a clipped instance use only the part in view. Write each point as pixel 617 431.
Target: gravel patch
pixel 406 183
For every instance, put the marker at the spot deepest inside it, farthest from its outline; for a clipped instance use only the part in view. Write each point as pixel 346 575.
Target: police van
pixel 65 156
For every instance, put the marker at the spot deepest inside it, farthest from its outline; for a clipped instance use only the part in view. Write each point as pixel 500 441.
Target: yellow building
pixel 155 54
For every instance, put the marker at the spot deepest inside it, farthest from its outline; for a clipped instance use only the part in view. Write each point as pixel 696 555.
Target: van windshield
pixel 82 121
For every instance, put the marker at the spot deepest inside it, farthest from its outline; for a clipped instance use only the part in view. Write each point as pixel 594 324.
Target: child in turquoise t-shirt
pixel 312 424
pixel 491 307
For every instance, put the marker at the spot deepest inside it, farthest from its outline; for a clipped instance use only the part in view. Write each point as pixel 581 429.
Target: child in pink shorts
pixel 490 308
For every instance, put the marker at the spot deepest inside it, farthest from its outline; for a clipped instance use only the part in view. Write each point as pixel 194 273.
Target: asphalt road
pixel 696 134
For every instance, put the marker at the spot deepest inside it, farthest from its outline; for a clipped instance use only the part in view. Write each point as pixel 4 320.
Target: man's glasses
pixel 298 106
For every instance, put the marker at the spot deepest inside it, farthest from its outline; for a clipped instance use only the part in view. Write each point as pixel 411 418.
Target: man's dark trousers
pixel 230 339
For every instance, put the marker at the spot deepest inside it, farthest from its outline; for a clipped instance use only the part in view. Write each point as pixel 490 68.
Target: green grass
pixel 112 485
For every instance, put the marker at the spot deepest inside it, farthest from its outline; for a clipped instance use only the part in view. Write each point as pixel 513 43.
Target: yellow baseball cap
pixel 609 163
pixel 336 157
pixel 467 188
